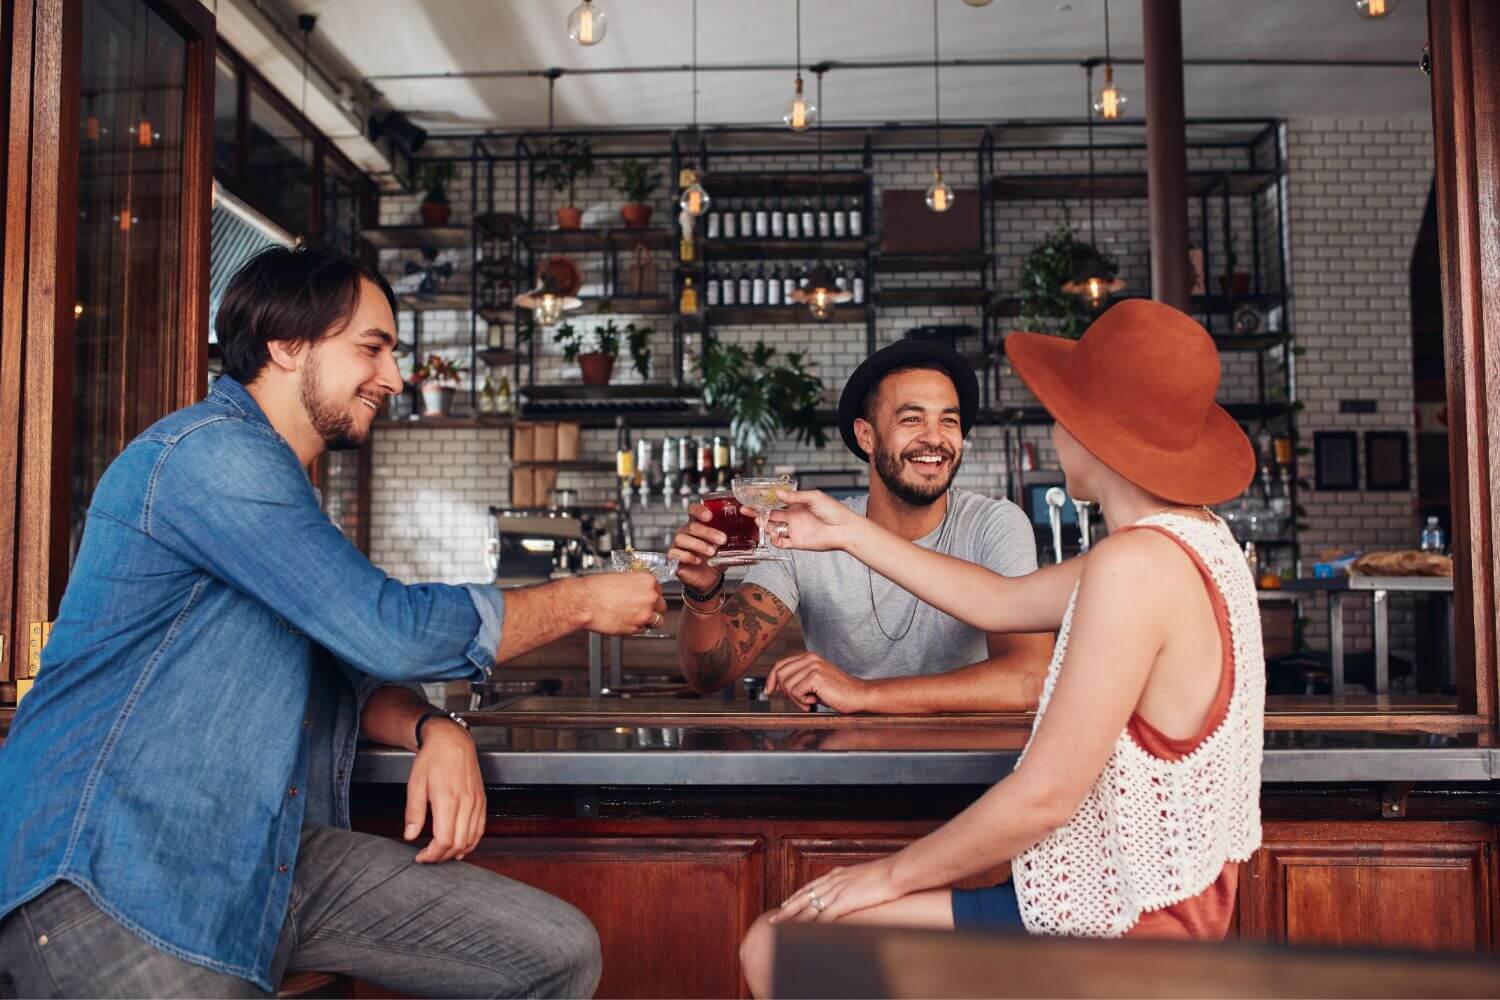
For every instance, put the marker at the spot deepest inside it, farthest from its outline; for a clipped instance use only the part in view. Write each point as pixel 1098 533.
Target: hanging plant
pixel 1044 305
pixel 763 393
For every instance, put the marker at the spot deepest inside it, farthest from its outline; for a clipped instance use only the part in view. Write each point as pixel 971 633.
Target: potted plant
pixel 596 350
pixel 637 181
pixel 437 378
pixel 1051 263
pixel 763 393
pixel 434 178
pixel 564 162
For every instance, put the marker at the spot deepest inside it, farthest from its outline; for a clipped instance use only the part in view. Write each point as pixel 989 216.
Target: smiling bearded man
pixel 871 646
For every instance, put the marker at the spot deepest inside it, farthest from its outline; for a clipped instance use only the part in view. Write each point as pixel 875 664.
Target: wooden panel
pixel 802 859
pixel 644 893
pixel 1372 884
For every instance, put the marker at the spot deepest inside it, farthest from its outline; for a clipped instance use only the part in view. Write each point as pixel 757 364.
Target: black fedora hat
pixel 904 354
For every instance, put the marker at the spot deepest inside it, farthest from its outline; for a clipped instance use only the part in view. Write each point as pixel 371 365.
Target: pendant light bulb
pixel 940 195
pixel 801 112
pixel 587 24
pixel 1111 102
pixel 1373 9
pixel 694 200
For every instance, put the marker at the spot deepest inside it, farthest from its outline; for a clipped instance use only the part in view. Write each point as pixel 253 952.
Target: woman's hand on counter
pixel 839 893
pixel 695 544
pixel 807 679
pixel 446 780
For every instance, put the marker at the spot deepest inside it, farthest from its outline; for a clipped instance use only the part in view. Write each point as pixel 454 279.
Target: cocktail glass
pixel 765 494
pixel 738 527
pixel 644 561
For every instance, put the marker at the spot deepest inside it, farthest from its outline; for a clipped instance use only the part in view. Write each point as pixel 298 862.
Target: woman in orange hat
pixel 1138 791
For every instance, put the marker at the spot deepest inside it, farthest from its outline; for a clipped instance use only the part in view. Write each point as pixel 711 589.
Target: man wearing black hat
pixel 872 647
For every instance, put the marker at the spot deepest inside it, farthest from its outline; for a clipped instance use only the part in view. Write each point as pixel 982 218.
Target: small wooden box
pixel 544 445
pixel 567 442
pixel 523 487
pixel 523 443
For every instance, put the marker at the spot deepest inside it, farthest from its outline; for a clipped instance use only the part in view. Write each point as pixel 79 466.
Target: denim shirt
pixel 213 651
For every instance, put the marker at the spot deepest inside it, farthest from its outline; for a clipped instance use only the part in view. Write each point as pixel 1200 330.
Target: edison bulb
pixel 940 195
pixel 694 200
pixel 550 311
pixel 800 112
pixel 1373 9
pixel 820 304
pixel 587 24
pixel 1111 102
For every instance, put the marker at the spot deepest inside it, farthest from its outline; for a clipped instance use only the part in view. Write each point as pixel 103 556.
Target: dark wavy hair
pixel 288 293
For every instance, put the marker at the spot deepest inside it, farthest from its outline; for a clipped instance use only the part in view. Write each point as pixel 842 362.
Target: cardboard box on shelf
pixel 544 445
pixel 523 487
pixel 567 442
pixel 523 443
pixel 546 480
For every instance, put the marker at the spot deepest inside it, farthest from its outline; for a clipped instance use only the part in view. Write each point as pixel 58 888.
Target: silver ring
pixel 783 529
pixel 814 901
pixel 657 620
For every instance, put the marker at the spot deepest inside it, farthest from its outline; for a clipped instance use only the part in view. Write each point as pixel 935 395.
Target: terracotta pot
pixel 569 217
pixel 637 215
pixel 597 367
pixel 1237 283
pixel 437 400
pixel 436 213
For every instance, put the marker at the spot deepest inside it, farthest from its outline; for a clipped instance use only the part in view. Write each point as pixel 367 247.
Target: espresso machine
pixel 527 545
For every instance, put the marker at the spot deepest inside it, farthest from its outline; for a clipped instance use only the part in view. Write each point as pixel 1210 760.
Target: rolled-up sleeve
pixel 231 499
pixel 489 603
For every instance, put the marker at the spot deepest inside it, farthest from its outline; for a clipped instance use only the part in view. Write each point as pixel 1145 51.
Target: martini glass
pixel 643 561
pixel 764 494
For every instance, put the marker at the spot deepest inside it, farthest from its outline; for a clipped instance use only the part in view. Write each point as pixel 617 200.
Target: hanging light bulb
pixel 940 195
pixel 821 293
pixel 694 200
pixel 587 24
pixel 801 112
pixel 1092 278
pixel 144 135
pixel 1372 9
pixel 546 305
pixel 1110 103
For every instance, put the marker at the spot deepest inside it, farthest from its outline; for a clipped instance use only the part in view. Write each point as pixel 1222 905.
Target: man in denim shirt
pixel 174 790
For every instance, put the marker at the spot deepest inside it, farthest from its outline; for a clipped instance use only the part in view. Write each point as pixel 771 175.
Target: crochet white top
pixel 1153 832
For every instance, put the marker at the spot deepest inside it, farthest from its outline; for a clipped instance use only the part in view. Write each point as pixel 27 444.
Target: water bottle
pixel 1432 536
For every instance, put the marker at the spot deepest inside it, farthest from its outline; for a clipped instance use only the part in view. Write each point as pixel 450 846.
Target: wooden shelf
pixel 439 302
pixel 444 423
pixel 786 315
pixel 598 240
pixel 1049 187
pixel 949 296
pixel 630 305
pixel 503 270
pixel 503 225
pixel 416 237
pixel 574 466
pixel 910 263
pixel 1201 305
pixel 793 182
pixel 759 249
pixel 496 357
pixel 577 391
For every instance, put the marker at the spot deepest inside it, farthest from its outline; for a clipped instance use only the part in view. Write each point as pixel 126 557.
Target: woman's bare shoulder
pixel 1142 566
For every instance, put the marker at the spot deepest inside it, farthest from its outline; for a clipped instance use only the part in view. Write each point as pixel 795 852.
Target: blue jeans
pixel 995 906
pixel 360 907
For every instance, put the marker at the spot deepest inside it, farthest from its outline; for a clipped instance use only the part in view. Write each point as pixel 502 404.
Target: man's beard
pixel 334 425
pixel 888 467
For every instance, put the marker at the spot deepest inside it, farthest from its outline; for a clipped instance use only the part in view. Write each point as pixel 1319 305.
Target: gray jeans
pixel 360 906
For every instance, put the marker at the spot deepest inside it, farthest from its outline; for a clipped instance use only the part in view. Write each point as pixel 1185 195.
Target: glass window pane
pixel 130 181
pixel 340 207
pixel 226 119
pixel 278 168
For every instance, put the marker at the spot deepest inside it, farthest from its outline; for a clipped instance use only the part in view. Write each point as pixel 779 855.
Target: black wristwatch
pixel 437 714
pixel 704 598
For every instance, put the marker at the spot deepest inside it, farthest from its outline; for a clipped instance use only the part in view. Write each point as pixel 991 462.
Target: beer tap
pixel 1085 511
pixel 1055 498
pixel 644 469
pixel 670 471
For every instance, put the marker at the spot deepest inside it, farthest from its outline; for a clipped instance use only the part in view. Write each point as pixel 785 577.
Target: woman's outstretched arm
pixel 973 594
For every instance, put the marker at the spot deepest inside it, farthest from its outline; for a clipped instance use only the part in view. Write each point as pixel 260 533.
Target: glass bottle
pixel 504 402
pixel 705 465
pixel 859 288
pixel 714 224
pixel 731 221
pixel 747 220
pixel 687 464
pixel 840 223
pixel 731 288
pixel 809 222
pixel 758 288
pixel 722 470
pixel 825 229
pixel 686 251
pixel 744 293
pixel 788 284
pixel 1432 536
pixel 711 291
pixel 778 221
pixel 773 287
pixel 856 218
pixel 688 303
pixel 793 224
pixel 762 221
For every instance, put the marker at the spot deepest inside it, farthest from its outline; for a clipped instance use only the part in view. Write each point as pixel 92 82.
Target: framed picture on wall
pixel 1387 461
pixel 1336 460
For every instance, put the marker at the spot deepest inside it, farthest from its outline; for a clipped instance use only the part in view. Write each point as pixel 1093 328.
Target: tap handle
pixel 1055 498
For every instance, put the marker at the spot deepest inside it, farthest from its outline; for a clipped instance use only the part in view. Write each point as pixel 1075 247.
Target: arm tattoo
pixel 714 663
pixel 747 620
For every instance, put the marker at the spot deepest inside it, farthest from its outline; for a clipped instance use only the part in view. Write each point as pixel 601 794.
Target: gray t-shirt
pixel 857 619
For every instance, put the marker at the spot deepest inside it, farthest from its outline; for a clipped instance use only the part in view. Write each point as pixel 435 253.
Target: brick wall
pixel 1354 201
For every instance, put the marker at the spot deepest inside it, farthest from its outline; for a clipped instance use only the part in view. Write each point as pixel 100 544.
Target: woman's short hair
pixel 288 293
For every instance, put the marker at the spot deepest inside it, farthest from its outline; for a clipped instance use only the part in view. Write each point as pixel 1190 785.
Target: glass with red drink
pixel 738 526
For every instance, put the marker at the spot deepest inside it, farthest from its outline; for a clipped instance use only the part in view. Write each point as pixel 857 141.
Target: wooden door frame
pixel 1465 42
pixel 40 247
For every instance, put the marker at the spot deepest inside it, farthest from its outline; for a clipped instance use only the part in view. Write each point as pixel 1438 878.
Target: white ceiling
pixel 361 39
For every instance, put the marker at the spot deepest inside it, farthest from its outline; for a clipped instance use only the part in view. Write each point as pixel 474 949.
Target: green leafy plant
pixel 604 338
pixel 434 178
pixel 437 369
pixel 1044 305
pixel 565 161
pixel 763 393
pixel 636 180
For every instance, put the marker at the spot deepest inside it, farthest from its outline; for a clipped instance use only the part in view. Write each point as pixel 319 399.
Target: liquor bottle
pixel 840 223
pixel 809 221
pixel 645 469
pixel 859 288
pixel 687 464
pixel 715 225
pixel 711 292
pixel 773 287
pixel 758 288
pixel 762 221
pixel 624 459
pixel 856 218
pixel 788 284
pixel 793 224
pixel 686 250
pixel 778 221
pixel 705 466
pixel 688 302
pixel 731 286
pixel 743 293
pixel 825 229
pixel 841 279
pixel 722 469
pixel 747 220
pixel 731 221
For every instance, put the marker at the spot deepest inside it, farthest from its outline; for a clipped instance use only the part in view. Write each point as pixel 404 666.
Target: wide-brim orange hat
pixel 1137 390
